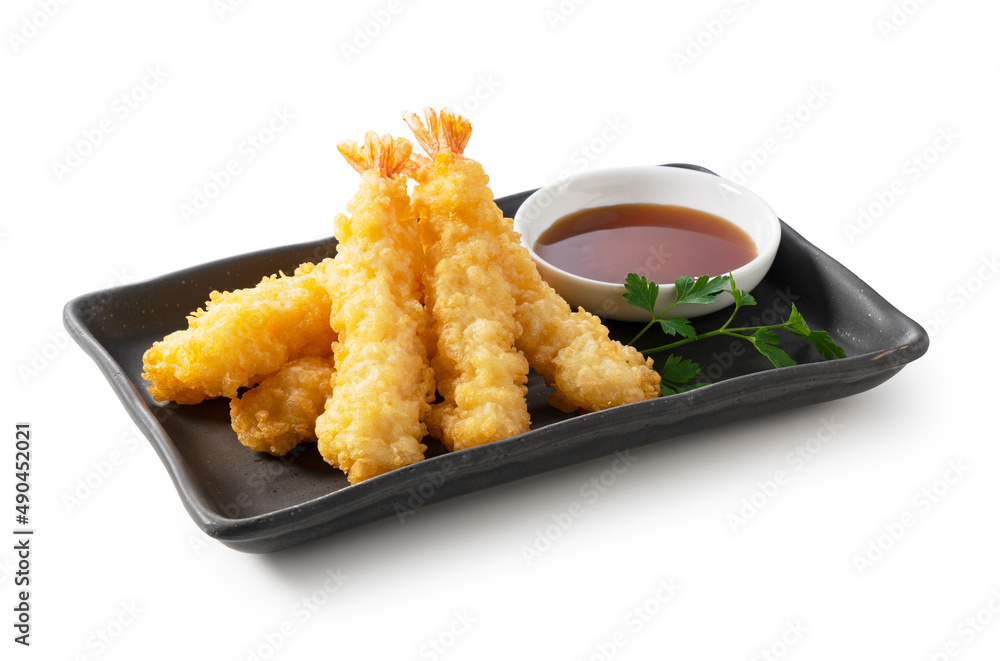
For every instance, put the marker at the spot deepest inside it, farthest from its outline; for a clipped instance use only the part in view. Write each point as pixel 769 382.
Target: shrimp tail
pixel 443 132
pixel 387 155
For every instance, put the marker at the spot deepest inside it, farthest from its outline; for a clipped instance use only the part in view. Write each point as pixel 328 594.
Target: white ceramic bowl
pixel 647 185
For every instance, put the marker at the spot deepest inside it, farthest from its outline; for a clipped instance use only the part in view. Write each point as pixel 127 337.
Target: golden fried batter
pixel 454 299
pixel 281 411
pixel 480 374
pixel 242 336
pixel 383 383
pixel 572 350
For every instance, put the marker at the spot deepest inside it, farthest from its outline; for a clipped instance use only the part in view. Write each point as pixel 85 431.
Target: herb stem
pixel 644 329
pixel 652 322
pixel 720 331
pixel 677 373
pixel 736 309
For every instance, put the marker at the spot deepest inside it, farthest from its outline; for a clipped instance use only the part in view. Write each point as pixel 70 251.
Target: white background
pixel 542 90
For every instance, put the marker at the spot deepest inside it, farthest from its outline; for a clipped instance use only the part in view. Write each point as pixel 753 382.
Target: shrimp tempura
pixel 572 350
pixel 480 374
pixel 242 336
pixel 383 383
pixel 281 411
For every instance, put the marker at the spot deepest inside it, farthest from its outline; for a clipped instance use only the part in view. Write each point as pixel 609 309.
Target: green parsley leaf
pixel 666 389
pixel 679 370
pixel 825 345
pixel 692 386
pixel 797 324
pixel 640 293
pixel 765 341
pixel 820 339
pixel 742 298
pixel 678 326
pixel 702 290
pixel 676 373
pixel 777 357
pixel 764 336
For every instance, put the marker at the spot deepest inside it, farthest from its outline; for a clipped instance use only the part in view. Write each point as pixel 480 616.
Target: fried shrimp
pixel 572 350
pixel 429 294
pixel 281 411
pixel 242 336
pixel 383 384
pixel 480 374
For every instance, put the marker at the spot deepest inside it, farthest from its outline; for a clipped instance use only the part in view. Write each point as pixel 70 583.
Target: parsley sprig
pixel 677 373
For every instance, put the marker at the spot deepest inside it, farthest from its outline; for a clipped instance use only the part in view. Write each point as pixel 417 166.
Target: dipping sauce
pixel 662 242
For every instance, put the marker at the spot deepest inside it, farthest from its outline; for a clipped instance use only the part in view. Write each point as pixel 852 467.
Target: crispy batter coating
pixel 572 350
pixel 480 374
pixel 593 372
pixel 242 336
pixel 281 411
pixel 383 383
pixel 454 299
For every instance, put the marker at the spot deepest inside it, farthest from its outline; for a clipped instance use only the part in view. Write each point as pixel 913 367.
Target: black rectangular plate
pixel 258 503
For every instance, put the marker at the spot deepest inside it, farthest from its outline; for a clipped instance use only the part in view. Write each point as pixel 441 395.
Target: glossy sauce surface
pixel 662 242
